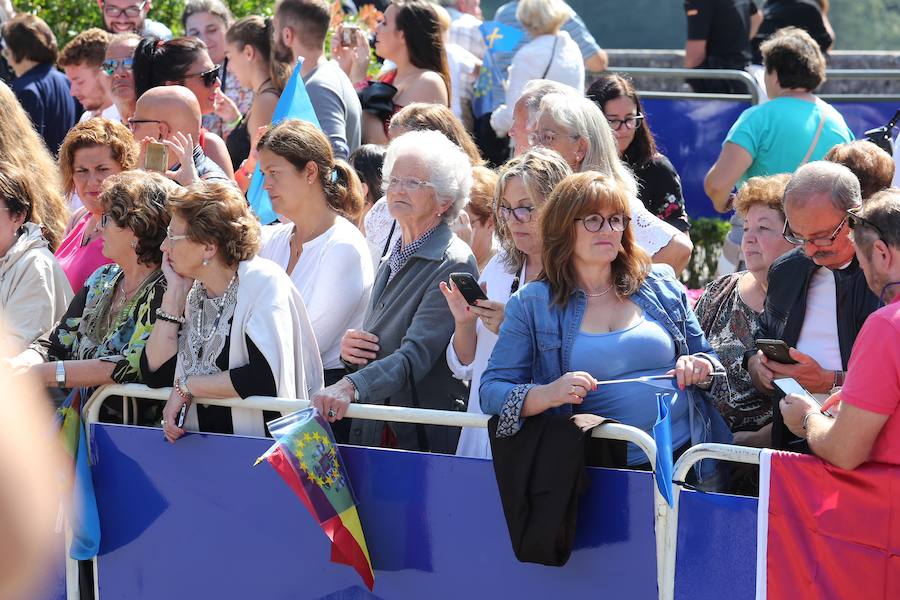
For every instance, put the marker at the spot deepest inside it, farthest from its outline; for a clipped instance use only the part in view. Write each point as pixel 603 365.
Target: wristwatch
pixel 60 374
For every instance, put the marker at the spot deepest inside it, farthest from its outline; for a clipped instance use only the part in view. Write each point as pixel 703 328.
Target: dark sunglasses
pixel 110 66
pixel 209 78
pixel 854 221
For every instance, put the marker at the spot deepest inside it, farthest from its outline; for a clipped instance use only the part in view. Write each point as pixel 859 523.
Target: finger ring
pixel 696 370
pixel 163 422
pixel 572 391
pixel 331 413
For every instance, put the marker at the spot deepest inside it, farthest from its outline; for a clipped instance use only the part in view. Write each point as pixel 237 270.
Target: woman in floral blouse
pixel 730 307
pixel 102 335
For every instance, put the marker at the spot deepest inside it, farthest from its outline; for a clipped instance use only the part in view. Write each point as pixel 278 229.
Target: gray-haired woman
pixel 397 356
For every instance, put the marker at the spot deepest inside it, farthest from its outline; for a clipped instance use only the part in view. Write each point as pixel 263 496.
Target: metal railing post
pixel 691 457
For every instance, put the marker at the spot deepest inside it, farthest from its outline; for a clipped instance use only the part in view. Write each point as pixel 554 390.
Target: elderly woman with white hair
pixel 397 357
pixel 578 130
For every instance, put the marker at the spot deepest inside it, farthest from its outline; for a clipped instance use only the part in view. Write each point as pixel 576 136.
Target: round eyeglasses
pixel 595 223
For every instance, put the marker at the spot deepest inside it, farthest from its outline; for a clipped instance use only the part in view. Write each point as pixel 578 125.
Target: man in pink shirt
pixel 868 424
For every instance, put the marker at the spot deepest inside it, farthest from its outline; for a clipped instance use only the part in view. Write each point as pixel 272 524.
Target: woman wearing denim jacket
pixel 600 312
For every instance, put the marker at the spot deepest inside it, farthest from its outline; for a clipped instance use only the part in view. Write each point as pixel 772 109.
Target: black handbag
pixel 378 98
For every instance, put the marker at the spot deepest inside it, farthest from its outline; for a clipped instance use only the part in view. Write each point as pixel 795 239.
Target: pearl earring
pixel 134 243
pixel 205 261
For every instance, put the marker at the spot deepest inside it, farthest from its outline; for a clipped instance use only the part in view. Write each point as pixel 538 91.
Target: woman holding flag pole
pixel 600 311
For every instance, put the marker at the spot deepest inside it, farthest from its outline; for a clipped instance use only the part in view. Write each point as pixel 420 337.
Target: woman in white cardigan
pixel 34 291
pixel 318 245
pixel 243 326
pixel 524 184
pixel 552 54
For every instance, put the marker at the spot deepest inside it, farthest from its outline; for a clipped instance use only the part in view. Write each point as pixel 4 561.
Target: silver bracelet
pixel 164 316
pixel 806 419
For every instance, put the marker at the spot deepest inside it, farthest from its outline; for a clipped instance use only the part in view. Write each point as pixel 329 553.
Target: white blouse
pixel 474 441
pixel 566 65
pixel 333 275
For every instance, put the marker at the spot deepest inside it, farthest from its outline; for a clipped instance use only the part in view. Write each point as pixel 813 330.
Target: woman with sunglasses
pixel 600 312
pixel 102 335
pixel 525 183
pixel 184 61
pixel 659 187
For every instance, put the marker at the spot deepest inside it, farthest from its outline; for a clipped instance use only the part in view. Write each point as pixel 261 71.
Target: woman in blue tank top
pixel 599 312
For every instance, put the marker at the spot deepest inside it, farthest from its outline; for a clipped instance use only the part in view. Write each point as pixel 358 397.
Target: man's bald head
pixel 175 106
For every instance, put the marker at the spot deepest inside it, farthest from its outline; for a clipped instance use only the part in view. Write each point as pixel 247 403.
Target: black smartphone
pixel 181 414
pixel 468 287
pixel 777 350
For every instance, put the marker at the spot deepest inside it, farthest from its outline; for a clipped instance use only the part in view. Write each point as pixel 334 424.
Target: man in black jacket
pixel 817 298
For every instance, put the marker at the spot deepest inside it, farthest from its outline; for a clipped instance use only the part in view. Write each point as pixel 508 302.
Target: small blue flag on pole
pixel 293 104
pixel 498 38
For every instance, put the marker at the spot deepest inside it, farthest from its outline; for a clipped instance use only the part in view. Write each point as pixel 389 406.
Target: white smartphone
pixel 789 385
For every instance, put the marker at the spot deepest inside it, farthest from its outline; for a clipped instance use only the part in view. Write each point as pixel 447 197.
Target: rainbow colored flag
pixel 84 518
pixel 306 456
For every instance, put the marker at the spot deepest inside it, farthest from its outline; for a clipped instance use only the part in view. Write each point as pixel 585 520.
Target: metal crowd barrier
pixel 666 73
pixel 692 456
pixel 397 414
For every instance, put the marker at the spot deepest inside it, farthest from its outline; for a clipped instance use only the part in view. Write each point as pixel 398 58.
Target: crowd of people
pixel 129 254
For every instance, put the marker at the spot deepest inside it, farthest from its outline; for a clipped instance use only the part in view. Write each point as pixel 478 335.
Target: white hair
pixel 449 168
pixel 535 90
pixel 541 17
pixel 585 119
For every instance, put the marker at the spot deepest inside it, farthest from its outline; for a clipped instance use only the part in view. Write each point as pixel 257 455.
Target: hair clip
pixel 333 176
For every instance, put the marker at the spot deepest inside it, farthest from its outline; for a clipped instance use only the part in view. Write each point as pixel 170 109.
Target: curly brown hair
pixel 88 47
pixel 136 200
pixel 872 166
pixel 22 147
pixel 216 213
pixel 97 132
pixel 767 191
pixel 577 196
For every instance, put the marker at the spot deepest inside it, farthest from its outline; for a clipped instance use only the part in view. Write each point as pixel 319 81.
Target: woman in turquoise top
pixel 598 311
pixel 791 129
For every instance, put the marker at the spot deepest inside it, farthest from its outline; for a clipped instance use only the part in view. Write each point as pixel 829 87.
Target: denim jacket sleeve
pixel 509 374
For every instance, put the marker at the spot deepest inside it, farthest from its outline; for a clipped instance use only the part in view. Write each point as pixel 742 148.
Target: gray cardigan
pixel 411 318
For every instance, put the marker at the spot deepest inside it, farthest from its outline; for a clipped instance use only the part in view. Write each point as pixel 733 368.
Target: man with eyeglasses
pixel 817 299
pixel 868 424
pixel 121 16
pixel 119 80
pixel 81 60
pixel 170 115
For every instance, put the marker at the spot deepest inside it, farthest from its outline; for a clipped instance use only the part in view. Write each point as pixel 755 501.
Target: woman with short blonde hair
pixel 552 55
pixel 243 326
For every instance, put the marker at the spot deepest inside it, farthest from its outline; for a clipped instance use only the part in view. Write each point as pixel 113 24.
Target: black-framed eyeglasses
pixel 131 12
pixel 209 77
pixel 819 242
pixel 594 223
pixel 111 65
pixel 134 122
pixel 522 214
pixel 854 221
pixel 629 122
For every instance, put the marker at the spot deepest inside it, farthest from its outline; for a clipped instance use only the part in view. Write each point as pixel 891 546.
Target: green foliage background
pixel 69 17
